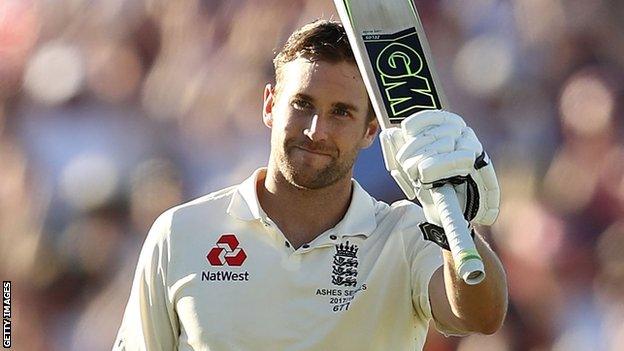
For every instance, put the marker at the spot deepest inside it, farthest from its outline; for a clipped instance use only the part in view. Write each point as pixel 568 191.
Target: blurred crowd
pixel 112 111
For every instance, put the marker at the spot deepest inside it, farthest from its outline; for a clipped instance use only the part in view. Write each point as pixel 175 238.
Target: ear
pixel 267 107
pixel 370 134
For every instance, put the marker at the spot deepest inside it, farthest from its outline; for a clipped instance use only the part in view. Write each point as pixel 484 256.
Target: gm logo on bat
pixel 402 74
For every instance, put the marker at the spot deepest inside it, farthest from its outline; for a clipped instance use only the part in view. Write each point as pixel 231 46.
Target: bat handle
pixel 465 255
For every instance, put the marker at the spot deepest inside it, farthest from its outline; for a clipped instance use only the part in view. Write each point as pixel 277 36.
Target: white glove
pixel 436 147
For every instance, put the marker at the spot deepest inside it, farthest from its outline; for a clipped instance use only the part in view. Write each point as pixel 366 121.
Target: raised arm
pixel 430 149
pixel 461 308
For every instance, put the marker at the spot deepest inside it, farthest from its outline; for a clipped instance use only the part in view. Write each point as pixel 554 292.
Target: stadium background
pixel 113 110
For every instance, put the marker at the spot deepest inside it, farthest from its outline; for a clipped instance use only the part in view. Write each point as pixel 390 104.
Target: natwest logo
pixel 227 252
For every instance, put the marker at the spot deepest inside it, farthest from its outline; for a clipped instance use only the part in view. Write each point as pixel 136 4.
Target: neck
pixel 303 214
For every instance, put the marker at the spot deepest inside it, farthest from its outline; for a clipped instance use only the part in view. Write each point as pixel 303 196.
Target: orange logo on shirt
pixel 227 252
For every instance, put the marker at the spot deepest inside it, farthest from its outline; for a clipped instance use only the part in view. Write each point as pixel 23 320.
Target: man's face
pixel 318 118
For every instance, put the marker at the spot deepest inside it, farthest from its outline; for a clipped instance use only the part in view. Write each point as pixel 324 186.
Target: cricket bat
pixel 392 53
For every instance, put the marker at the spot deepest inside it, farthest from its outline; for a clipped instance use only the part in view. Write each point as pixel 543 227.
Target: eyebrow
pixel 342 105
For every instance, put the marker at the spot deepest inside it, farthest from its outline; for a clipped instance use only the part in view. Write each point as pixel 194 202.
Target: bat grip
pixel 465 255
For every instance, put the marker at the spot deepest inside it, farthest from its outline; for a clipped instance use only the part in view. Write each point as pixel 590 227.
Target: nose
pixel 317 130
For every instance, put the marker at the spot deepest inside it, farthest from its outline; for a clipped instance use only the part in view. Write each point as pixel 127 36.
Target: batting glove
pixel 436 147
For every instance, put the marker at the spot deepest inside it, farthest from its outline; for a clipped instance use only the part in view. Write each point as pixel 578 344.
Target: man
pixel 299 256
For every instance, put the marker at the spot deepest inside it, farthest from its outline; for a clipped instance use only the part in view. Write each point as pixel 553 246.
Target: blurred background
pixel 112 111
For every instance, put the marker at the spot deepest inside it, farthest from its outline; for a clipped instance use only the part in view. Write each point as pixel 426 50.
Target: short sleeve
pixel 424 258
pixel 423 265
pixel 149 322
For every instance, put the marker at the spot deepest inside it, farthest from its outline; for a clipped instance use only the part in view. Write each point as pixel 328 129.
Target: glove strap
pixel 472 199
pixel 436 234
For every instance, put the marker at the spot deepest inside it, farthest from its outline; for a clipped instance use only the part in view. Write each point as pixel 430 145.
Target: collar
pixel 244 204
pixel 359 219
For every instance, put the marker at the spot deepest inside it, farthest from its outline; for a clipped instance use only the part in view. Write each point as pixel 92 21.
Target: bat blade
pixel 392 52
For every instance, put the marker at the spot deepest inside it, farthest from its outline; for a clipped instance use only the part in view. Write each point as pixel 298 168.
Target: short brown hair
pixel 321 40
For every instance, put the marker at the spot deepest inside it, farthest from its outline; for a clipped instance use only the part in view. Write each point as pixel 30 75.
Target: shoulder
pixel 213 199
pixel 205 205
pixel 402 213
pixel 402 219
pixel 406 207
pixel 197 210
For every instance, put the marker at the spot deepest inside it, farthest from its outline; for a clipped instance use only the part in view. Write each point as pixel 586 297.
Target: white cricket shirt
pixel 216 274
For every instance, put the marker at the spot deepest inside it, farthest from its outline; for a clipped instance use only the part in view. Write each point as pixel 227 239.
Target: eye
pixel 300 104
pixel 342 112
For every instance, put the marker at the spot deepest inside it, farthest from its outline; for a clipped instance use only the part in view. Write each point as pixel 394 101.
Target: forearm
pixel 481 307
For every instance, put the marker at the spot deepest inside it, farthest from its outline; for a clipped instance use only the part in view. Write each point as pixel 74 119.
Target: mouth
pixel 313 151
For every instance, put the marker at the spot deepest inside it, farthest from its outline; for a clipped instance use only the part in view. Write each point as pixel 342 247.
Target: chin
pixel 304 174
pixel 308 183
pixel 306 177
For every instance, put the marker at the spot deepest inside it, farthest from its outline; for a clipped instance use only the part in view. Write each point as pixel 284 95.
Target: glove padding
pixel 436 147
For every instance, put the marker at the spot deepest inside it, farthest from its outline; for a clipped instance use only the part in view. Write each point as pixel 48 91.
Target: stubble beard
pixel 312 179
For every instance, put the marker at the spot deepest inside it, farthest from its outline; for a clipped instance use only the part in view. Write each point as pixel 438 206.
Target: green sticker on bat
pixel 402 73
